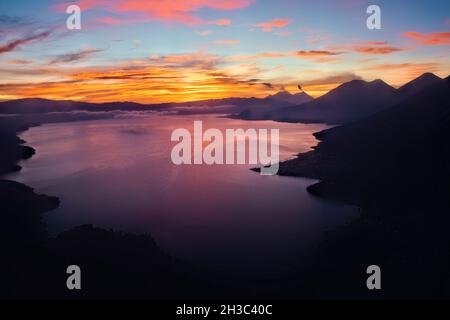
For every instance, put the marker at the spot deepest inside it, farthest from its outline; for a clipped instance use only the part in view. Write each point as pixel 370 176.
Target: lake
pixel 117 173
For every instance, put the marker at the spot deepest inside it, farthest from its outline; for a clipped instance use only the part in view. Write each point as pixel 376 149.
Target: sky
pixel 154 51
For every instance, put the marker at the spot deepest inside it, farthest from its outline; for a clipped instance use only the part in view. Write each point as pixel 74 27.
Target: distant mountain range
pixel 410 131
pixel 37 105
pixel 226 106
pixel 349 102
pixel 286 96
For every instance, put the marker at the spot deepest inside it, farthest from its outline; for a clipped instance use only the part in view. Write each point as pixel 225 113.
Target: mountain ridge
pixel 349 102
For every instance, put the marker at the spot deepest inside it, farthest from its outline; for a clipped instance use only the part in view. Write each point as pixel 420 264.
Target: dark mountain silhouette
pixel 395 165
pixel 228 105
pixel 286 96
pixel 273 103
pixel 37 105
pixel 418 84
pixel 347 103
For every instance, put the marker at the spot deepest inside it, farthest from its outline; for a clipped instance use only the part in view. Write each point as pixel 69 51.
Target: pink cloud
pixel 374 43
pixel 205 33
pixel 222 22
pixel 429 39
pixel 115 21
pixel 283 33
pixel 269 26
pixel 83 4
pixel 136 11
pixel 227 42
pixel 377 49
pixel 372 47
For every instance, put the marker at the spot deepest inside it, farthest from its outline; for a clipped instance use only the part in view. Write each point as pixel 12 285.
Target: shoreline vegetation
pixel 394 165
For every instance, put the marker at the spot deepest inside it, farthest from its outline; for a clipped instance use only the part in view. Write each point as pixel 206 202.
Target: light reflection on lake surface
pixel 118 174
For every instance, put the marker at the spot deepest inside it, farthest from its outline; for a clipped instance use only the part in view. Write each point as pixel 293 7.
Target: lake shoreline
pixel 337 268
pixel 25 241
pixel 394 166
pixel 52 253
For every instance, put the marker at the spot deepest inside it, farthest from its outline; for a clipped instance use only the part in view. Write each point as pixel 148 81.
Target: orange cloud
pixel 374 43
pixel 377 50
pixel 19 61
pixel 316 54
pixel 157 79
pixel 320 56
pixel 145 85
pixel 429 39
pixel 416 66
pixel 227 42
pixel 371 47
pixel 222 22
pixel 399 73
pixel 263 55
pixel 268 26
pixel 205 33
pixel 317 90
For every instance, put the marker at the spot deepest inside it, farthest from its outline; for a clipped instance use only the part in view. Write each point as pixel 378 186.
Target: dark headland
pixel 117 265
pixel 349 102
pixel 394 165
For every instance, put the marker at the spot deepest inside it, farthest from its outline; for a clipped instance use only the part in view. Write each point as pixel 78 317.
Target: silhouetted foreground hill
pixel 347 103
pixel 395 165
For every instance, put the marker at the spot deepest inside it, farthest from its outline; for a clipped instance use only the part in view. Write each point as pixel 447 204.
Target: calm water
pixel 118 174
